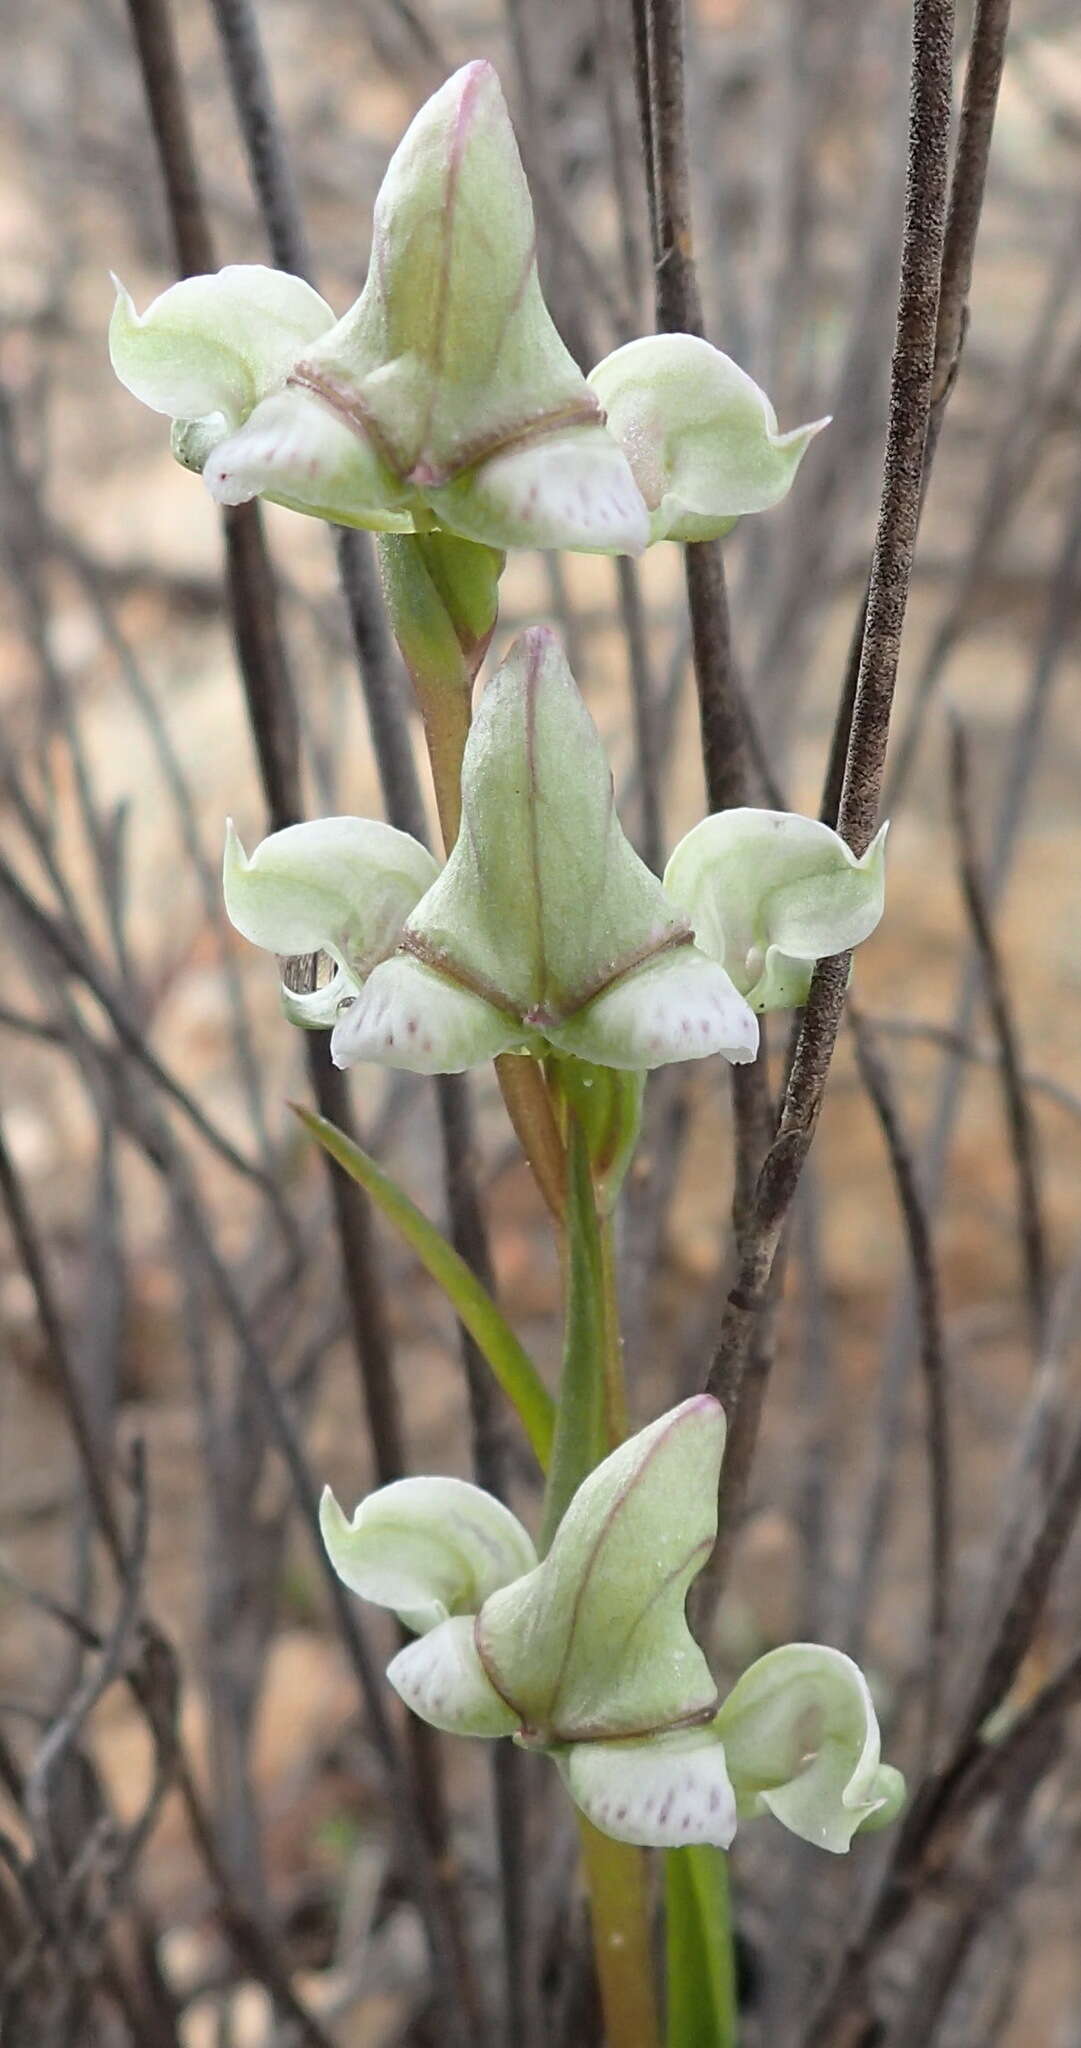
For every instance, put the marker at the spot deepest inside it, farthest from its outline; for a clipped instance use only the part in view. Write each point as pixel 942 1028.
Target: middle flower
pixel 544 930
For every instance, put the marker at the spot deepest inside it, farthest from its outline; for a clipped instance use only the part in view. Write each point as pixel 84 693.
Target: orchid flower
pixel 587 1655
pixel 445 395
pixel 545 932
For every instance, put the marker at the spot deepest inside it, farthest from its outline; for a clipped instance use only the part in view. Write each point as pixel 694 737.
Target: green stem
pixel 618 1881
pixel 701 1965
pixel 615 1390
pixel 580 1436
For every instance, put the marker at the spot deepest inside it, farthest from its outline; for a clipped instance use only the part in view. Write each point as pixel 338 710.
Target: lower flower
pixel 587 1654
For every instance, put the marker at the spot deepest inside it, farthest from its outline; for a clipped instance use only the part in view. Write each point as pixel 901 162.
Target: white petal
pixel 680 1006
pixel 215 344
pixel 768 890
pixel 344 886
pixel 426 1548
pixel 567 489
pixel 295 450
pixel 801 1738
pixel 409 1016
pixel 663 1793
pixel 700 435
pixel 440 1677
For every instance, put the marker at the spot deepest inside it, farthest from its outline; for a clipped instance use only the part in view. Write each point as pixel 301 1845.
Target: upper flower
pixel 588 1655
pixel 445 394
pixel 545 931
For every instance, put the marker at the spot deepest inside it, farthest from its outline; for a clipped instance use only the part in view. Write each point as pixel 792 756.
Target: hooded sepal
pixel 700 436
pixel 662 1792
pixel 340 886
pixel 769 893
pixel 426 1548
pixel 543 901
pixel 450 350
pixel 594 1643
pixel 441 1678
pixel 801 1740
pixel 449 362
pixel 209 348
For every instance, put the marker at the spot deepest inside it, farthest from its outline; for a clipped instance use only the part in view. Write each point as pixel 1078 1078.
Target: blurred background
pixel 163 1221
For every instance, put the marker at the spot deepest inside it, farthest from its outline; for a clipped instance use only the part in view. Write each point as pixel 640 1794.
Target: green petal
pixel 441 1678
pixel 663 1793
pixel 700 435
pixel 342 886
pixel 680 1006
pixel 801 1738
pixel 450 352
pixel 295 450
pixel 542 901
pixel 409 1016
pixel 769 893
pixel 216 344
pixel 595 1642
pixel 572 489
pixel 426 1548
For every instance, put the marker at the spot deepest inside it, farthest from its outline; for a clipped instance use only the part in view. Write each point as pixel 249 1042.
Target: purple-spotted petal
pixel 409 1016
pixel 666 1792
pixel 680 1006
pixel 572 489
pixel 295 450
pixel 440 1677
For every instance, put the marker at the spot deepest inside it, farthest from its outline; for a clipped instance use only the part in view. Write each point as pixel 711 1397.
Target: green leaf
pixel 472 1304
pixel 702 2011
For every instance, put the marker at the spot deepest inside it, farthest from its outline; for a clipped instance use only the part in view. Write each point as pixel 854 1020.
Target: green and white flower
pixel 445 395
pixel 587 1655
pixel 544 932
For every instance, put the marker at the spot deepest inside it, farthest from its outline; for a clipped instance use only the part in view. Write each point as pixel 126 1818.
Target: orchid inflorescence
pixel 444 413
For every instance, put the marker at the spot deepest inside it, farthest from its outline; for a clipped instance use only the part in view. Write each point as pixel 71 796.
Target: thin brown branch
pixel 910 398
pixel 1024 1143
pixel 979 101
pixel 933 1360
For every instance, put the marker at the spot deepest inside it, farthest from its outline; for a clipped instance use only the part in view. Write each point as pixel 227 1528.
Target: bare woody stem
pixel 911 387
pixel 722 713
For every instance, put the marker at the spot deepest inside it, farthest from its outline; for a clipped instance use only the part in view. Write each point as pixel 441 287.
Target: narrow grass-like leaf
pixel 472 1304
